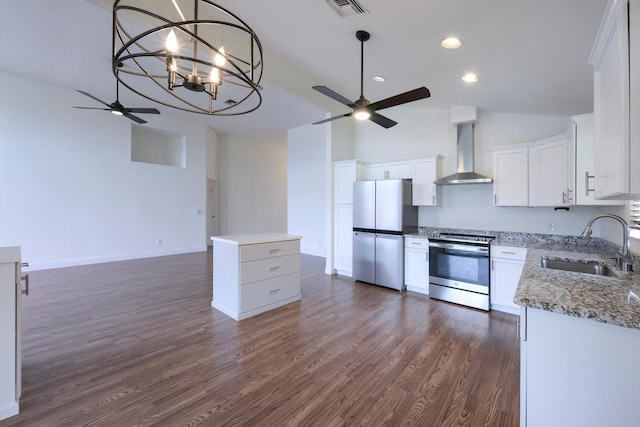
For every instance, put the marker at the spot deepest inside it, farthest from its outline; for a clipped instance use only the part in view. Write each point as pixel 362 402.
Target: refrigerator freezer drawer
pixel 390 261
pixel 364 255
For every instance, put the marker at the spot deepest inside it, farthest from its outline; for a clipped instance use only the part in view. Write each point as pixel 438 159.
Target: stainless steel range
pixel 459 269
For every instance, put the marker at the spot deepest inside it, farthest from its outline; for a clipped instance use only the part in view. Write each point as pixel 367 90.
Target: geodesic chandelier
pixel 192 55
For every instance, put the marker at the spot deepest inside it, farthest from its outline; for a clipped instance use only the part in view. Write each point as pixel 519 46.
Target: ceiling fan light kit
pixel 179 53
pixel 362 109
pixel 118 109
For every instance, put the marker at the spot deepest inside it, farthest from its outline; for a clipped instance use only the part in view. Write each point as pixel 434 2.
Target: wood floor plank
pixel 136 343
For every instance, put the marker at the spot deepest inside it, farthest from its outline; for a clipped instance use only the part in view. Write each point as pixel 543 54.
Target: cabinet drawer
pixel 269 250
pixel 270 291
pixel 252 271
pixel 416 242
pixel 508 252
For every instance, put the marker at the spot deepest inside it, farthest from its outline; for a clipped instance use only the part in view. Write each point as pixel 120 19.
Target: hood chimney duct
pixel 463 117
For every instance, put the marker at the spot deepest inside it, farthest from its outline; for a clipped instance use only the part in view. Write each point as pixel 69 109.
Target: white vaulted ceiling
pixel 530 55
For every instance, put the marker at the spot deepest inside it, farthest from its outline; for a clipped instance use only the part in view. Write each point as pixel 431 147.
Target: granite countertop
pixel 613 300
pixel 605 299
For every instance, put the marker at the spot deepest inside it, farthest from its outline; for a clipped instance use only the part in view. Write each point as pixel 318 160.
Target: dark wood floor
pixel 136 343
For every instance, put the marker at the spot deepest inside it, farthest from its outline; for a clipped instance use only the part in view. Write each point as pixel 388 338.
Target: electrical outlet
pixel 552 226
pixel 159 242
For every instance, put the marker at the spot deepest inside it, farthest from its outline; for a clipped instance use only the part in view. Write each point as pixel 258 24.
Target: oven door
pixel 459 266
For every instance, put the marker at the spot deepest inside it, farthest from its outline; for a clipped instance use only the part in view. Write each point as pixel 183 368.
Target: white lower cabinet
pixel 577 372
pixel 10 354
pixel 416 264
pixel 255 273
pixel 507 263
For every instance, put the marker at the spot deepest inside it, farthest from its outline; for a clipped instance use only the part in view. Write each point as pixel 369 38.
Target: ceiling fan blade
pixel 331 119
pixel 134 118
pixel 93 97
pixel 333 95
pixel 383 121
pixel 93 108
pixel 142 110
pixel 403 98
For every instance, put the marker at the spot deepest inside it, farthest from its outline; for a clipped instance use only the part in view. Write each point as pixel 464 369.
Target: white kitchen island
pixel 254 273
pixel 10 369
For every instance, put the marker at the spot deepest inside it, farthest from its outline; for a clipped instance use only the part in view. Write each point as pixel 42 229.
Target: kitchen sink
pixel 589 267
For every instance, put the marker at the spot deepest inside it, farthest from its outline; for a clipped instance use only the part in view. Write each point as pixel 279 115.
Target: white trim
pixel 110 258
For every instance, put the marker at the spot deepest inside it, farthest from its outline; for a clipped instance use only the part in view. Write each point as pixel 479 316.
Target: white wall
pixel 70 193
pixel 252 179
pixel 307 186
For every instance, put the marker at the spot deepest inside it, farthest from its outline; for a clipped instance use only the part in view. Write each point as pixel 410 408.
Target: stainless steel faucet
pixel 625 262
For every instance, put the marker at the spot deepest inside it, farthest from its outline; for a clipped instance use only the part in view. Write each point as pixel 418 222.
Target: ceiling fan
pixel 118 109
pixel 362 108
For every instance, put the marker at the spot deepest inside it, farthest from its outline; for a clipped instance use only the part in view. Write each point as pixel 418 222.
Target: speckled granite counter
pixel 605 299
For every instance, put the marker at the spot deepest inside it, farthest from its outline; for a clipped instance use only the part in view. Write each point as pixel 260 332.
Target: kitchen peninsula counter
pixel 601 298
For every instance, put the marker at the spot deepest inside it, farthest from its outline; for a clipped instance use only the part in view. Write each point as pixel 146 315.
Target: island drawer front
pixel 508 252
pixel 253 271
pixel 416 242
pixel 269 250
pixel 270 291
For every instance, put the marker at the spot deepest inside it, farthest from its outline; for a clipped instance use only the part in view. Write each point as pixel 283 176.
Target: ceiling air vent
pixel 347 7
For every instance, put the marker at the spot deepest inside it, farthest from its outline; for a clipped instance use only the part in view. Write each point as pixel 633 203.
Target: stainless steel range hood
pixel 465 173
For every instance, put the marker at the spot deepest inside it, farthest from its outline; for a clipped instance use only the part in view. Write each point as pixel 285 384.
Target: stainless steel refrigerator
pixel 382 213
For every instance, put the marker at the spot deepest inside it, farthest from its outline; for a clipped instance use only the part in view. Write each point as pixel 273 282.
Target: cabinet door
pixel 375 171
pixel 399 170
pixel 610 60
pixel 585 159
pixel 345 176
pixel 548 174
pixel 511 177
pixel 579 372
pixel 416 269
pixel 344 239
pixel 505 275
pixel 425 172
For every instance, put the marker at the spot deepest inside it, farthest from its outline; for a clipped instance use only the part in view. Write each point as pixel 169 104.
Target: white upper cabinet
pixel 345 174
pixel 585 179
pixel 511 176
pixel 425 171
pixel 551 172
pixel 400 169
pixel 615 59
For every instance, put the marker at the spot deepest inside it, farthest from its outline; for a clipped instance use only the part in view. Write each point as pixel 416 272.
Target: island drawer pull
pixel 274 268
pixel 274 291
pixel 273 251
pixel 26 283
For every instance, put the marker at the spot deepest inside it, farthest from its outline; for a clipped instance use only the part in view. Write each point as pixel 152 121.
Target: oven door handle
pixel 465 248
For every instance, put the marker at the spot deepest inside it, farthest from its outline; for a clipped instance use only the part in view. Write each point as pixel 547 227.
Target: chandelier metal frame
pixel 177 54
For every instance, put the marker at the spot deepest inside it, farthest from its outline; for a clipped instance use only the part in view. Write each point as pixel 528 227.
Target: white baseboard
pixel 45 265
pixel 9 410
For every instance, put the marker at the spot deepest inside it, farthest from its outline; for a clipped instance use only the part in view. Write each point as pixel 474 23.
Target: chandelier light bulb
pixel 172 42
pixel 220 59
pixel 215 75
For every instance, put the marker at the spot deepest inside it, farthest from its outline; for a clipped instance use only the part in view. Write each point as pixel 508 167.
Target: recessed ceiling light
pixel 379 79
pixel 451 43
pixel 470 78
